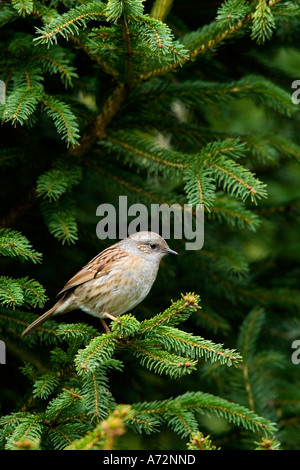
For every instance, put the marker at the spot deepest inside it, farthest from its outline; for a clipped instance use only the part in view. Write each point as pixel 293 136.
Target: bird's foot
pixel 111 317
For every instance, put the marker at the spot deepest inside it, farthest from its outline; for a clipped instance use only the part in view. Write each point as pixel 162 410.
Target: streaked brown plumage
pixel 113 282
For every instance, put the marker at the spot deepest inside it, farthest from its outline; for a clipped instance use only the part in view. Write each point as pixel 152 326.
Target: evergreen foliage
pixel 137 98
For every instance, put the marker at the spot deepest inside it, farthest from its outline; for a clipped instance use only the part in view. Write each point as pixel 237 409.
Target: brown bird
pixel 113 282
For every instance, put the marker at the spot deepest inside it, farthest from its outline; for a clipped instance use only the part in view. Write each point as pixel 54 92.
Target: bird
pixel 113 282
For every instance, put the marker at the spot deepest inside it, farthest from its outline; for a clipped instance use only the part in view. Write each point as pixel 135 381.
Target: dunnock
pixel 113 282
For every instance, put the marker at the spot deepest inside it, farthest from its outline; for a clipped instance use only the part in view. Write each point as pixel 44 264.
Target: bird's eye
pixel 153 246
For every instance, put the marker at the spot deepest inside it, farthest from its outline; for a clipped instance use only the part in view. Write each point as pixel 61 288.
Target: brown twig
pixel 97 129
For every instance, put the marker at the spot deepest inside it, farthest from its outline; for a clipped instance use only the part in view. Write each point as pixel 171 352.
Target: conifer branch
pixel 207 39
pixel 97 129
pixel 159 156
pixel 204 402
pixel 59 216
pixel 63 118
pixel 23 6
pixel 54 62
pixel 105 434
pixel 160 361
pixel 199 442
pixel 21 104
pixel 194 345
pixel 69 23
pixel 225 171
pixel 57 181
pixel 16 245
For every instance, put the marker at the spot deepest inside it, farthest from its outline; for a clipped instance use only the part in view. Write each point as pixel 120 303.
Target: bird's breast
pixel 120 289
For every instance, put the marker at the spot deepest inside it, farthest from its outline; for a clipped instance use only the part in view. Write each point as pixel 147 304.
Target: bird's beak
pixel 171 252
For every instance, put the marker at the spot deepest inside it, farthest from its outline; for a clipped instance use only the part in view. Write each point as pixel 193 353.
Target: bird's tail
pixel 39 321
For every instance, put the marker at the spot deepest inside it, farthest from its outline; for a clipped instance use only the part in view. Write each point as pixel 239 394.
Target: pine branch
pixel 21 104
pixel 199 442
pixel 66 399
pixel 206 403
pixel 26 433
pixel 129 50
pixel 235 179
pixel 144 339
pixel 178 312
pixel 63 119
pixel 14 321
pixel 70 22
pixel 194 346
pixel 156 33
pixel 160 361
pixel 79 332
pixel 213 159
pixel 11 293
pixel 16 245
pixel 232 11
pixel 57 181
pixel 55 61
pixel 59 216
pixel 197 94
pixel 23 7
pixel 46 385
pixel 132 145
pixel 21 292
pixel 259 388
pixel 234 413
pixel 263 23
pixel 105 434
pixel 128 10
pixel 96 394
pixel 33 292
pixel 211 36
pixel 99 350
pixel 133 185
pixel 28 69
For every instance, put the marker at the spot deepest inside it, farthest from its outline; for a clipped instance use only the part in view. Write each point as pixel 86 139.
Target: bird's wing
pixel 97 267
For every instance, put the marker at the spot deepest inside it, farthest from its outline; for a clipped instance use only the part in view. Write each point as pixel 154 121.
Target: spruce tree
pixel 165 105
